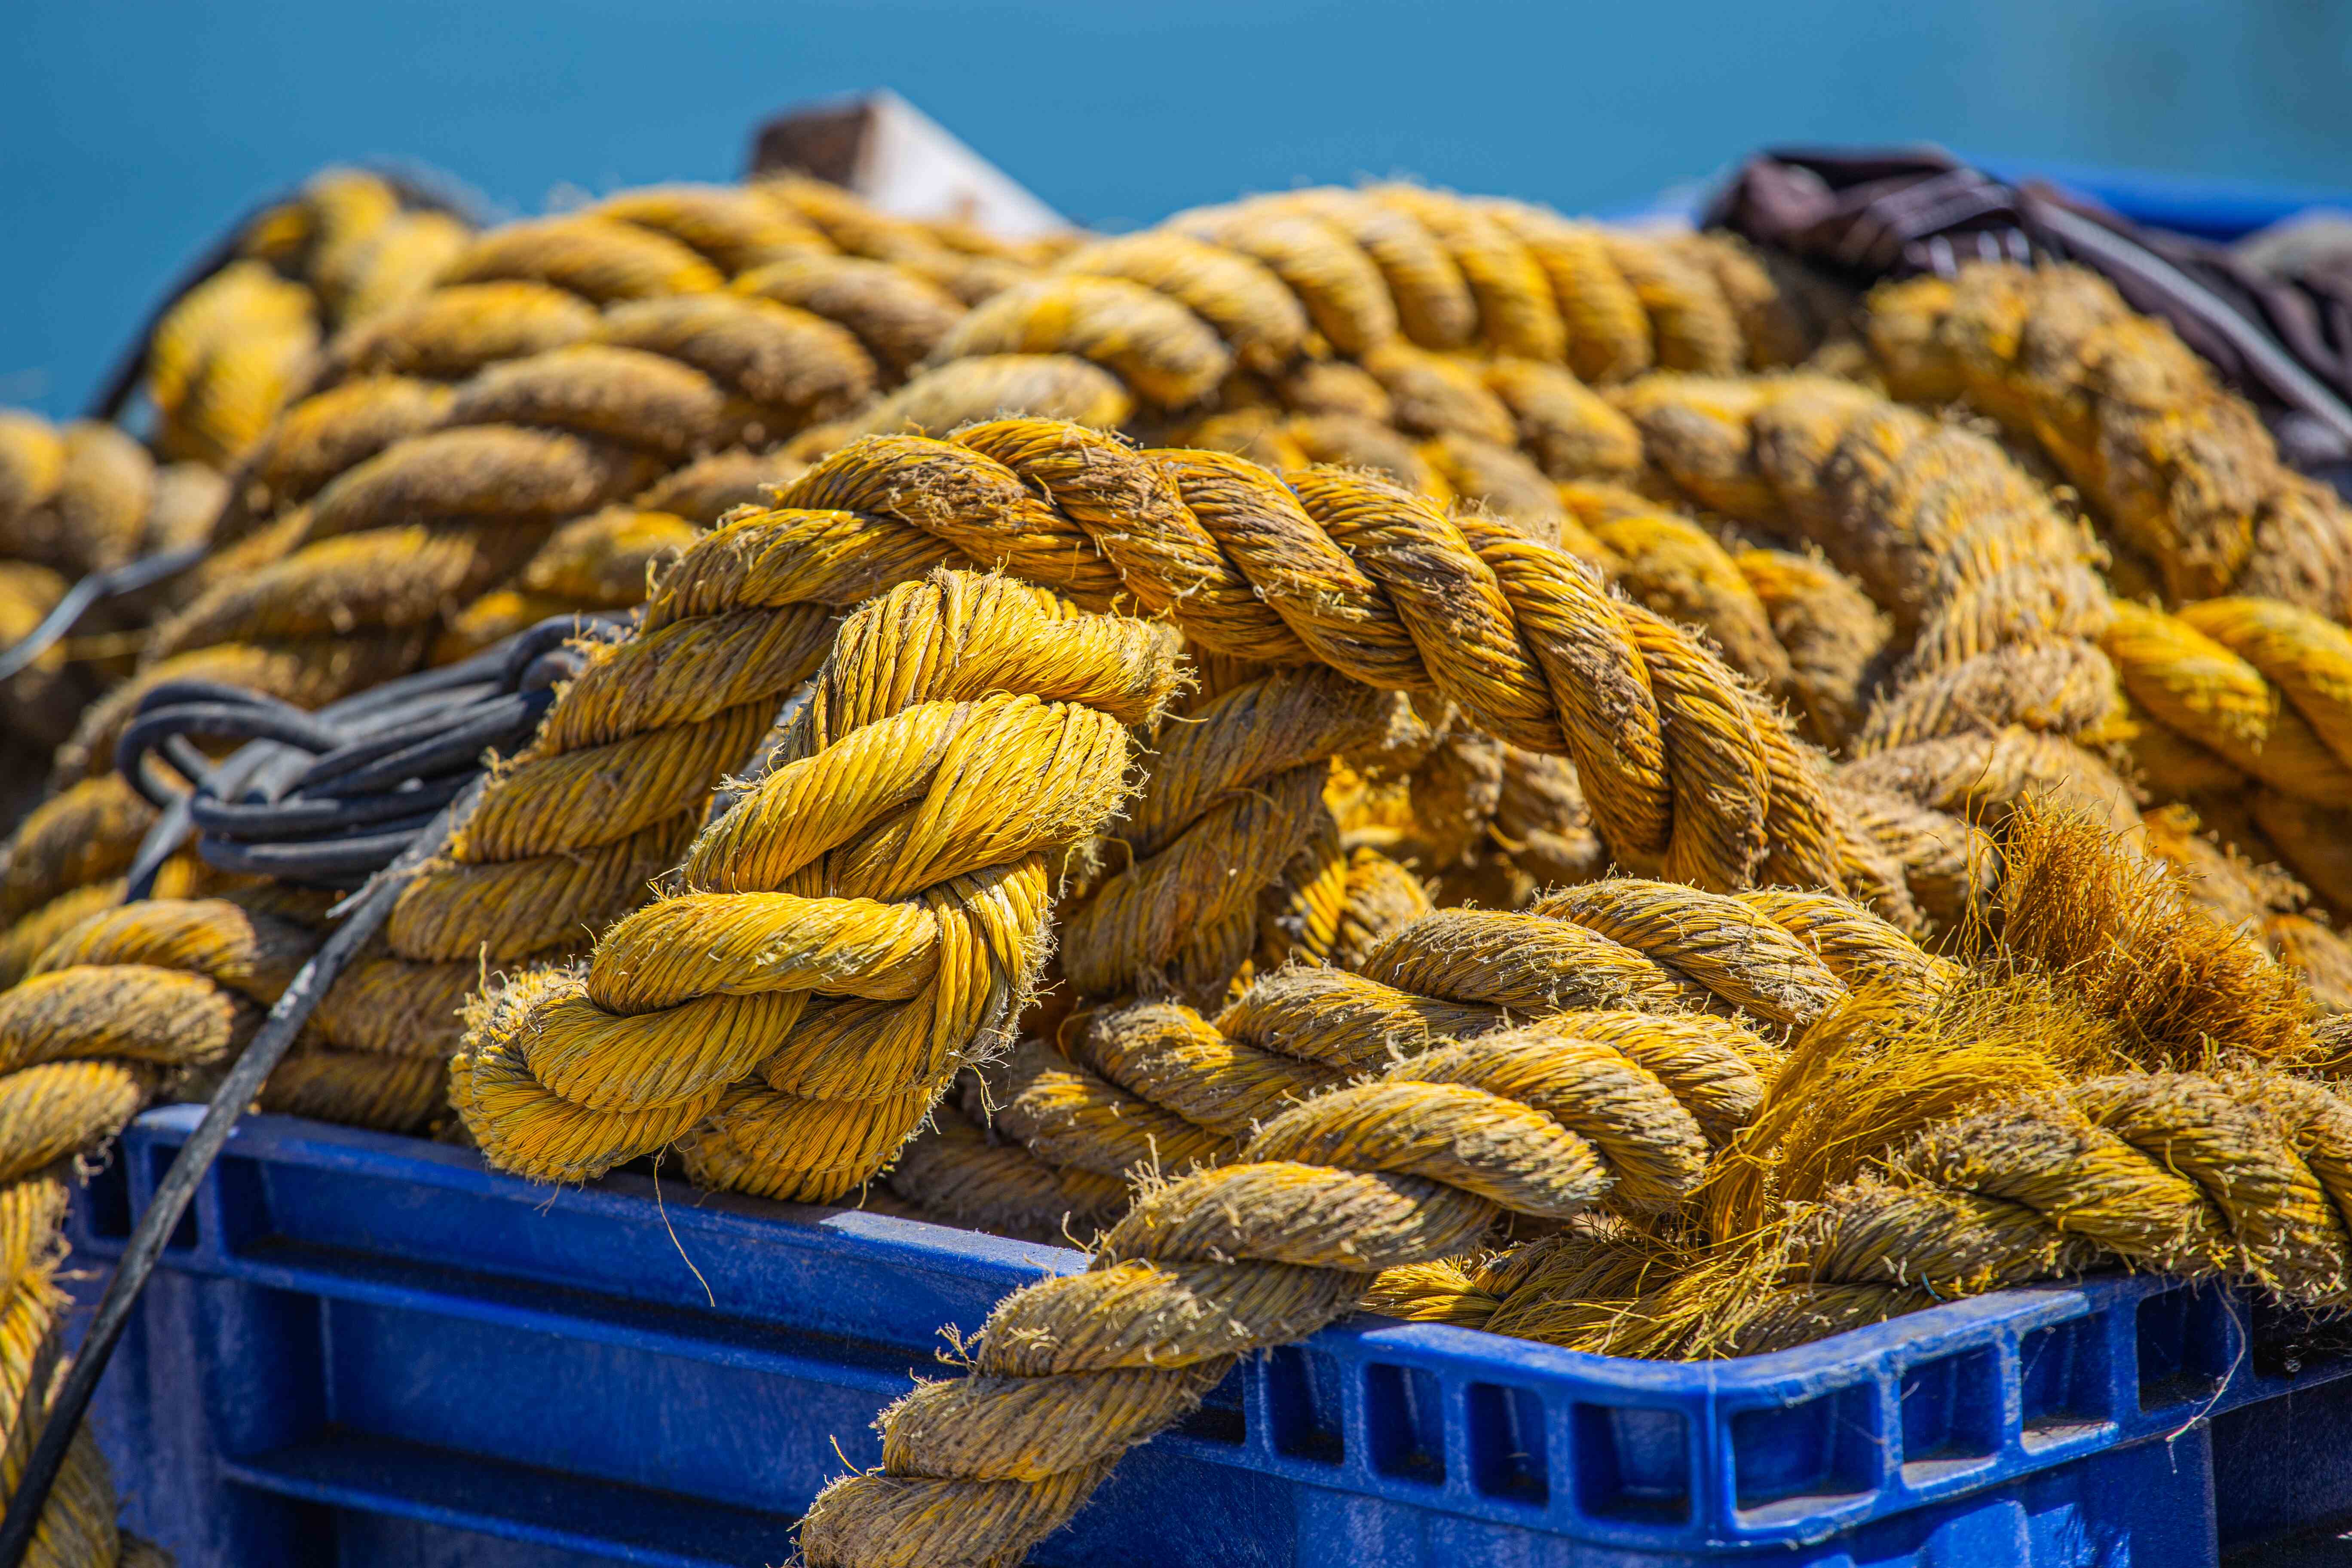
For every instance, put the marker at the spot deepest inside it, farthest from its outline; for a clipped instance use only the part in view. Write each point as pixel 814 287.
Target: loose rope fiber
pixel 2182 471
pixel 863 922
pixel 2017 660
pixel 1327 1182
pixel 549 429
pixel 2114 1081
pixel 1157 1089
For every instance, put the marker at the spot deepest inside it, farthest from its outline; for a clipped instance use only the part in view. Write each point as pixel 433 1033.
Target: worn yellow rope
pixel 863 922
pixel 2181 469
pixel 1316 1182
pixel 228 354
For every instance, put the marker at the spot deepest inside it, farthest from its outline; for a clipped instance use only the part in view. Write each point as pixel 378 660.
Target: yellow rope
pixel 1315 1181
pixel 964 728
pixel 590 355
pixel 2182 471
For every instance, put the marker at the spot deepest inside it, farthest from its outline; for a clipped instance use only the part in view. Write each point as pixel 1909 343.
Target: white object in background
pixel 901 161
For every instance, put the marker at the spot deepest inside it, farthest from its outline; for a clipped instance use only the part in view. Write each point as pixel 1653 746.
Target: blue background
pixel 130 133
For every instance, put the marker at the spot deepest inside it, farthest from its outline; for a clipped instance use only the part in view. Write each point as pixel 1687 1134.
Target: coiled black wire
pixel 357 795
pixel 327 799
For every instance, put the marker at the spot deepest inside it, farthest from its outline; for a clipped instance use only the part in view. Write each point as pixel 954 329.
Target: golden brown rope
pixel 231 351
pixel 2182 471
pixel 129 1004
pixel 1327 1182
pixel 863 922
pixel 1243 308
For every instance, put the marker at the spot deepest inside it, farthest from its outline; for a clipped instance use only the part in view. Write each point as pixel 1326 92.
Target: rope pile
pixel 1308 1183
pixel 1423 601
pixel 558 367
pixel 1058 682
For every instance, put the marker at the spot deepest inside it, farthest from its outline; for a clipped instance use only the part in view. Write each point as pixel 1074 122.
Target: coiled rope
pixel 2182 471
pixel 1244 308
pixel 1195 537
pixel 2017 660
pixel 592 355
pixel 71 1075
pixel 1547 1121
pixel 964 728
pixel 235 342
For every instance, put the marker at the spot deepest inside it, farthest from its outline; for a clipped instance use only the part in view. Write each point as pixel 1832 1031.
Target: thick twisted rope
pixel 1196 536
pixel 1333 1182
pixel 1157 1089
pixel 1994 601
pixel 2074 1098
pixel 2249 698
pixel 1243 307
pixel 1068 1374
pixel 1234 794
pixel 862 922
pixel 76 837
pixel 2182 471
pixel 592 355
pixel 1793 623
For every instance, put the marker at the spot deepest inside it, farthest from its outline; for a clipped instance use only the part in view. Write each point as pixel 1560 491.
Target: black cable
pixel 404 763
pixel 325 799
pixel 128 578
pixel 368 912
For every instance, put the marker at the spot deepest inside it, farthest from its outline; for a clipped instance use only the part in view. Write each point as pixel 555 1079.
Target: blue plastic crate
pixel 368 1350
